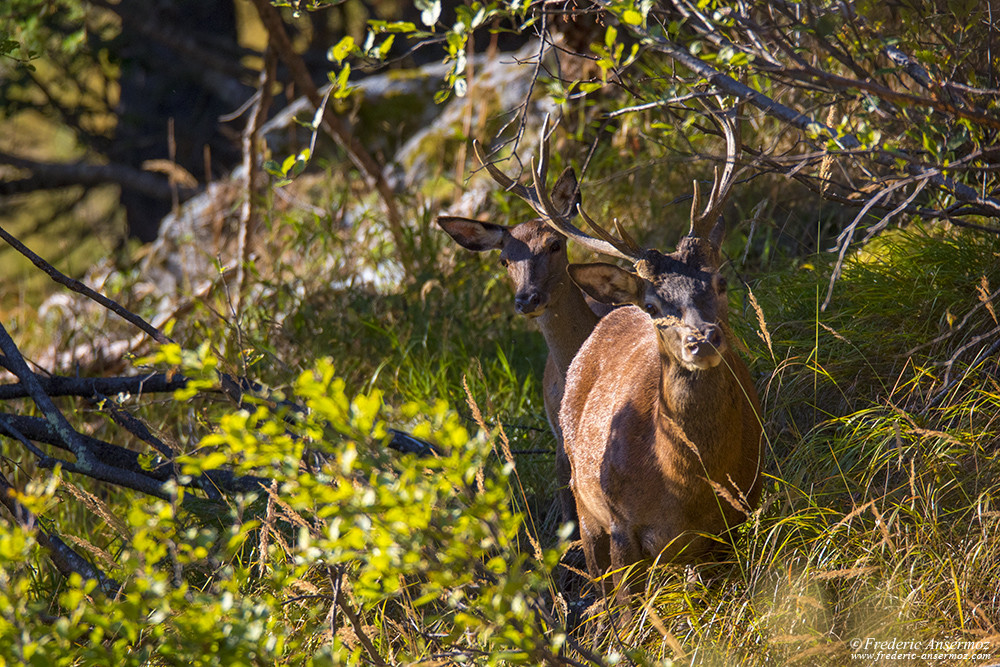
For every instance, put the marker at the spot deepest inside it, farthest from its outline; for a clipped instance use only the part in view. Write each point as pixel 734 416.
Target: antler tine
pixel 633 248
pixel 600 231
pixel 502 179
pixel 543 150
pixel 538 198
pixel 607 245
pixel 721 187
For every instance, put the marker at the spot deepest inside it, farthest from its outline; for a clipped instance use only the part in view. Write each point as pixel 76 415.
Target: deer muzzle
pixel 695 347
pixel 529 304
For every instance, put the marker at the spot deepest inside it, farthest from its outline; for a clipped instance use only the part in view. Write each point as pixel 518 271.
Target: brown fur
pixel 535 259
pixel 654 407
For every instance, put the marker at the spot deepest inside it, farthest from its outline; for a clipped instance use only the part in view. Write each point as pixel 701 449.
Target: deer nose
pixel 713 335
pixel 706 341
pixel 526 303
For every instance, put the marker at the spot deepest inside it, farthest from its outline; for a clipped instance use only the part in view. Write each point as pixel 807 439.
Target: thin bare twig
pixel 848 235
pixel 251 152
pixel 48 175
pixel 958 327
pixel 979 359
pixel 373 654
pixel 967 194
pixel 80 288
pixel 279 40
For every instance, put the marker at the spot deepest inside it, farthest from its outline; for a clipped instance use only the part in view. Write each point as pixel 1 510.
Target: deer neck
pixel 566 324
pixel 701 403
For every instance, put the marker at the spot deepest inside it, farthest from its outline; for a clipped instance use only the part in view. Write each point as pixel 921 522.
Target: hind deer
pixel 535 258
pixel 660 418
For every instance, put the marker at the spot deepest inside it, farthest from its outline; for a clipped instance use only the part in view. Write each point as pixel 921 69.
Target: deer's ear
pixel 566 193
pixel 607 283
pixel 473 234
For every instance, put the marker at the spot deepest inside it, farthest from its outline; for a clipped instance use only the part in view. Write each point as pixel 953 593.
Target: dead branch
pixel 279 40
pixel 80 288
pixel 251 153
pixel 62 385
pixel 123 460
pixel 50 175
pixel 66 560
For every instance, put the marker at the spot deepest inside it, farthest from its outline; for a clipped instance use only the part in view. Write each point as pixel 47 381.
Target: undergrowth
pixel 878 520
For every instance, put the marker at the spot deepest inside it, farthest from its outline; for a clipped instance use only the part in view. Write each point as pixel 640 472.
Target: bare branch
pixel 251 153
pixel 280 41
pixel 66 560
pixel 848 234
pixel 61 385
pixel 57 175
pixel 728 85
pixel 843 83
pixel 80 288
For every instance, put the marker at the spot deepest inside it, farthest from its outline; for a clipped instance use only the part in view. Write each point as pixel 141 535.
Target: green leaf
pixel 632 17
pixel 342 89
pixel 383 49
pixel 341 50
pixel 393 26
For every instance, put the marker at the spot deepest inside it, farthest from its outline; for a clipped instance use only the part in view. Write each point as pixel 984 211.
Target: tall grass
pixel 878 517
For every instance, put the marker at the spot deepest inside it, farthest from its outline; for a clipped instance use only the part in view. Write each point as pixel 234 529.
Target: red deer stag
pixel 535 258
pixel 660 418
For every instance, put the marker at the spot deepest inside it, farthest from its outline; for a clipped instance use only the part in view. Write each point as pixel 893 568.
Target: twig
pixel 884 222
pixel 134 426
pixel 843 83
pixel 66 560
pixel 958 327
pixel 981 357
pixel 659 103
pixel 48 175
pixel 279 40
pixel 248 214
pixel 80 288
pixel 848 233
pixel 728 85
pixel 847 236
pixel 359 629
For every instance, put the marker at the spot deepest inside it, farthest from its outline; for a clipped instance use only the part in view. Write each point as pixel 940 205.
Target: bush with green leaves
pixel 349 555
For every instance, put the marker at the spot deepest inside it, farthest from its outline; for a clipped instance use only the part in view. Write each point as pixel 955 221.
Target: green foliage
pixel 397 537
pixel 878 517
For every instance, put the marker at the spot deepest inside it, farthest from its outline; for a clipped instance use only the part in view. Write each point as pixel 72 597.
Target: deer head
pixel 533 254
pixel 683 292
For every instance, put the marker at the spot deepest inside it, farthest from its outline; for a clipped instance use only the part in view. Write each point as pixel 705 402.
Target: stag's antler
pixel 706 224
pixel 539 199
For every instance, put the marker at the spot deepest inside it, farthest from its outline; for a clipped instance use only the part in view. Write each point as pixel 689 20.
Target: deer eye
pixel 555 247
pixel 652 309
pixel 721 284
